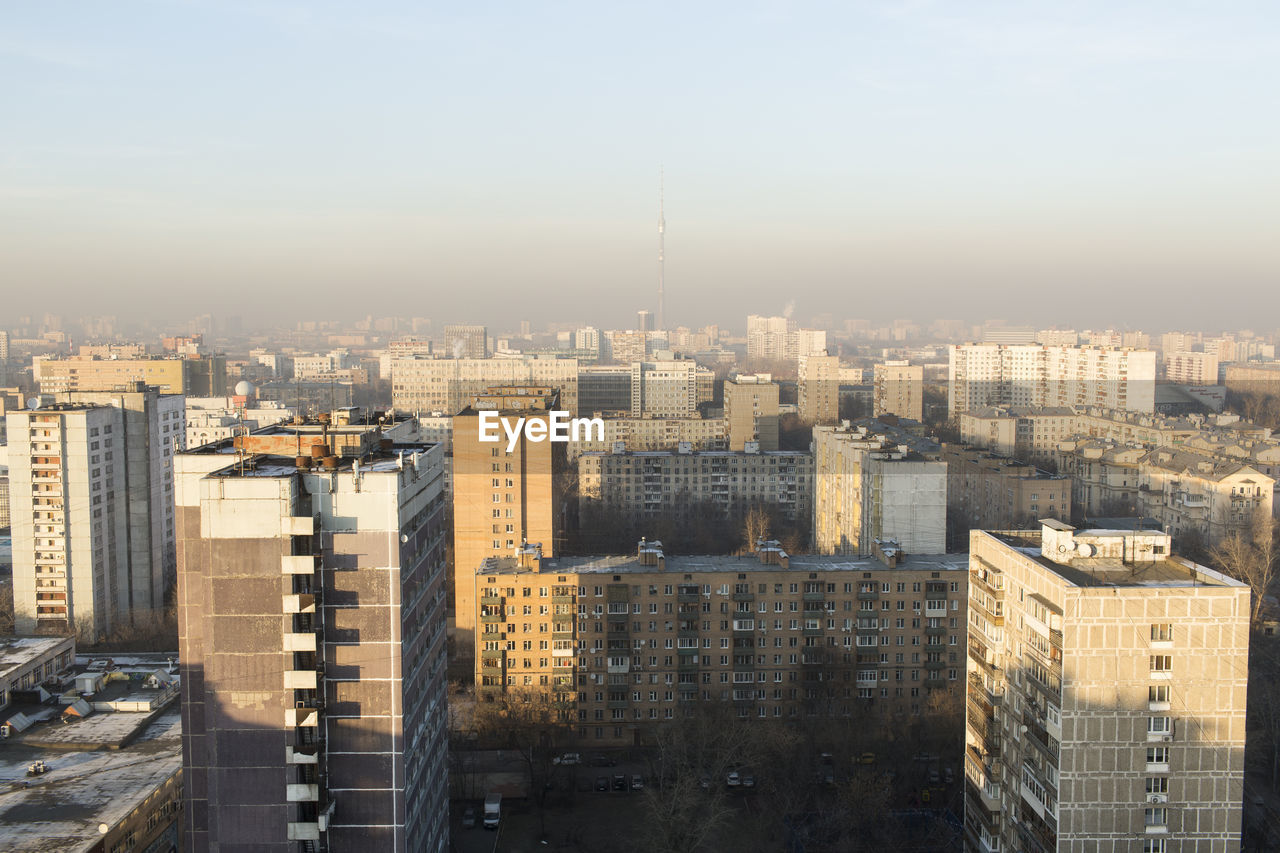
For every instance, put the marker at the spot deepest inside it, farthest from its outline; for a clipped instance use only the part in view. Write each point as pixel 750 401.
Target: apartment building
pixel 653 434
pixel 648 483
pixel 1104 476
pixel 751 411
pixel 203 376
pixel 995 492
pixel 1188 491
pixel 311 614
pixel 987 374
pixel 604 389
pixel 772 339
pixel 899 390
pixel 667 388
pixel 867 487
pixel 1105 695
pixel 421 384
pixel 91 509
pixel 626 347
pixel 819 389
pixel 211 419
pixel 1191 368
pixel 502 498
pixel 1033 434
pixel 630 641
pixel 466 341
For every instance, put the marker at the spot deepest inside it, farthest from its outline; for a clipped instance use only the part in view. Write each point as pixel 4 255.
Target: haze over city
pixel 192 156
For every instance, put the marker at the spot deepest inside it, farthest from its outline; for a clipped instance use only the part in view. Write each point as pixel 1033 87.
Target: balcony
pixel 868 595
pixel 563 599
pixel 935 630
pixel 563 627
pixel 687 664
pixel 295 718
pixel 491 616
pixel 299 642
pixel 301 755
pixel 299 603
pixel 814 596
pixel 302 793
pixel 688 597
pixel 297 525
pixel 304 831
pixel 298 565
pixel 812 631
pixel 935 664
pixel 935 680
pixel 743 596
pixel 491 600
pixel 300 679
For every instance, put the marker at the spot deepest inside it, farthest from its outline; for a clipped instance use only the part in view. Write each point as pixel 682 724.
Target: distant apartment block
pixel 666 389
pixel 1106 695
pixel 649 483
pixel 1259 377
pixel 773 339
pixel 204 376
pixel 868 488
pixel 604 389
pixel 311 613
pixel 1191 368
pixel 628 642
pixel 1104 476
pixel 819 389
pixel 751 411
pixel 449 384
pixel 993 492
pixel 91 508
pixel 1187 491
pixel 626 347
pixel 653 434
pixel 1033 434
pixel 210 419
pixel 1036 375
pixel 899 390
pixel 466 342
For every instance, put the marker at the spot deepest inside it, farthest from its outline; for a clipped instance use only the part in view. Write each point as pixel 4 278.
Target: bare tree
pixel 1250 556
pixel 755 526
pixel 531 722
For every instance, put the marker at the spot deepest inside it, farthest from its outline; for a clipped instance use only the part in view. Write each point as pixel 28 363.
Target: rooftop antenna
pixel 662 227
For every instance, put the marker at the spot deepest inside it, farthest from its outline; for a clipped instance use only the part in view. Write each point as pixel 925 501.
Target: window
pixel 1159 726
pixel 1161 663
pixel 1154 817
pixel 1158 694
pixel 1157 784
pixel 1154 845
pixel 1158 755
pixel 1161 633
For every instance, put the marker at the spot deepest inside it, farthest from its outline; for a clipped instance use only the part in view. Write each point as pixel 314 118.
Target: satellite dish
pixel 103 829
pixel 33 403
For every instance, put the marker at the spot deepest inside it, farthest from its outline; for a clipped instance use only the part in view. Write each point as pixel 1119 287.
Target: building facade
pixel 987 374
pixel 449 384
pixel 311 615
pixel 627 642
pixel 466 341
pixel 998 493
pixel 866 487
pixel 1106 695
pixel 899 390
pixel 751 411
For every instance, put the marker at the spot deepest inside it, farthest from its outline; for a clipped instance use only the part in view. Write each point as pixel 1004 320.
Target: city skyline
pixel 216 158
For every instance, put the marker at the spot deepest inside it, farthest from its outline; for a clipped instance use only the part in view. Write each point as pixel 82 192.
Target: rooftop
pixel 690 564
pixel 16 652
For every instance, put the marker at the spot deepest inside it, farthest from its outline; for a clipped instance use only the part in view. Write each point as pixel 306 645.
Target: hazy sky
pixel 1075 164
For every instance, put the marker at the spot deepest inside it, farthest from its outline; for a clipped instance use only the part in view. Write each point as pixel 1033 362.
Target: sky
pixel 1088 164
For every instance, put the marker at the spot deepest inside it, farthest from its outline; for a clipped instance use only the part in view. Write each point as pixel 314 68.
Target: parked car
pixel 637 782
pixel 602 783
pixel 934 777
pixel 619 782
pixel 469 817
pixel 568 758
pixel 748 781
pixel 733 780
pixel 867 758
pixel 948 775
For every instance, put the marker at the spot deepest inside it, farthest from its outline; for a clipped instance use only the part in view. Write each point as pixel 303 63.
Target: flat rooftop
pixel 61 810
pixel 691 564
pixel 270 465
pixel 1170 571
pixel 16 652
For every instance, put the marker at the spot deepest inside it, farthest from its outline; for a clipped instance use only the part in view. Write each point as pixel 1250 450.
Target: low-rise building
pixel 995 492
pixel 1188 491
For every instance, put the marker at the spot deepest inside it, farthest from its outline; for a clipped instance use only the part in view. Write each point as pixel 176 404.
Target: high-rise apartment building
pixel 311 620
pixel 644 320
pixel 627 642
pixel 751 411
pixel 818 389
pixel 466 342
pixel 648 483
pixel 626 347
pixel 1106 695
pixel 91 508
pixel 990 374
pixel 899 390
pixel 604 389
pixel 501 497
pixel 667 388
pixel 868 488
pixel 772 339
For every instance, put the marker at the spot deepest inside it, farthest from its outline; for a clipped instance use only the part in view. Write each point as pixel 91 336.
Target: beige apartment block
pixel 204 376
pixel 1191 368
pixel 420 384
pixel 630 641
pixel 667 388
pixel 1188 491
pixel 649 483
pixel 998 493
pixel 466 341
pixel 819 389
pixel 751 411
pixel 899 390
pixel 988 374
pixel 1104 476
pixel 1106 695
pixel 867 487
pixel 653 434
pixel 502 499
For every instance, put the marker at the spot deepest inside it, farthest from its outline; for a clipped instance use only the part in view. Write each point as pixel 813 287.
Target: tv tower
pixel 662 227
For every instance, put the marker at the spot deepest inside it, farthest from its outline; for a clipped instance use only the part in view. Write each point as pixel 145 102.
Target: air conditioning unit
pixel 1166 738
pixel 1156 798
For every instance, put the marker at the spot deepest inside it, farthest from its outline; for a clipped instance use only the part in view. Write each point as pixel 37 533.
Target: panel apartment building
pixel 198 376
pixel 311 619
pixel 1106 695
pixel 867 487
pixel 501 499
pixel 420 384
pixel 751 411
pixel 1036 375
pixel 630 641
pixel 648 483
pixel 91 510
pixel 994 492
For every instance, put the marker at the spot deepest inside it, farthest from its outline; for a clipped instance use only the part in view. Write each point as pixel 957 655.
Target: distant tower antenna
pixel 662 227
